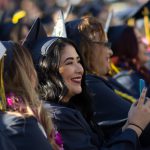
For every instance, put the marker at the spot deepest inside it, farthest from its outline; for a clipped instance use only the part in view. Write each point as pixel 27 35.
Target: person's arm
pixel 77 135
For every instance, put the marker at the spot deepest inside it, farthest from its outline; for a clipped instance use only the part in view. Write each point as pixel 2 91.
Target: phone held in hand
pixel 141 85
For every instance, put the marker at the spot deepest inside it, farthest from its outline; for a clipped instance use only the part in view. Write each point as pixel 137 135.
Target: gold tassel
pixel 131 22
pixel 2 90
pixel 17 16
pixel 146 23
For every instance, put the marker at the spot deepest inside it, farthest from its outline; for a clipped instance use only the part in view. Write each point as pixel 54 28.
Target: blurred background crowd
pixel 16 16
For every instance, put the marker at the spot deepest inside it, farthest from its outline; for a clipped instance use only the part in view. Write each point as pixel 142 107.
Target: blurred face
pixel 71 70
pixel 142 54
pixel 143 48
pixel 101 56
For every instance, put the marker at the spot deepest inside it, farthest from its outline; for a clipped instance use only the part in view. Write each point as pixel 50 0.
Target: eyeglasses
pixel 106 44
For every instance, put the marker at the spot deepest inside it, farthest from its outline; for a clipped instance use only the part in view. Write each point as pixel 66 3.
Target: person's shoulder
pixel 92 80
pixel 8 120
pixel 59 109
pixel 63 113
pixel 92 77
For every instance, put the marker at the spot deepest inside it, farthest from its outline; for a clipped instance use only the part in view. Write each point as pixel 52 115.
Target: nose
pixel 110 52
pixel 79 68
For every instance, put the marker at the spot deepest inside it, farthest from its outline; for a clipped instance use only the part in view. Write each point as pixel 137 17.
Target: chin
pixel 77 91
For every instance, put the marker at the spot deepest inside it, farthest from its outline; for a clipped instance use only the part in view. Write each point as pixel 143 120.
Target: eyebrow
pixel 71 58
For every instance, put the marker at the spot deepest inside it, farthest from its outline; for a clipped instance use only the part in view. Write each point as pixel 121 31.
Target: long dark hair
pixel 52 84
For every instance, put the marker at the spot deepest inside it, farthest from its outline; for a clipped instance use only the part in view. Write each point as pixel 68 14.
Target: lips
pixel 76 79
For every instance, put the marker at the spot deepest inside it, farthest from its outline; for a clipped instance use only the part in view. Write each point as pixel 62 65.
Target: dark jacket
pixel 130 81
pixel 77 134
pixel 23 133
pixel 107 104
pixel 5 142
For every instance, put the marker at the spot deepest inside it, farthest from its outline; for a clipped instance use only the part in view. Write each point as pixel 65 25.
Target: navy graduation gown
pixel 107 104
pixel 77 134
pixel 23 133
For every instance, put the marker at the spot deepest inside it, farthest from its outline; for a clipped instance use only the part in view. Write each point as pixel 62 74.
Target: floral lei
pixel 15 103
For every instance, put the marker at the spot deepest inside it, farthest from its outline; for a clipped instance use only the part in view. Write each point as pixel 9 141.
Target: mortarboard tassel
pixel 146 23
pixel 2 90
pixel 131 22
pixel 18 15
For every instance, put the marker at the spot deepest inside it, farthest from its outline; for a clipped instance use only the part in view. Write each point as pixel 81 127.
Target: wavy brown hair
pixel 19 77
pixel 88 29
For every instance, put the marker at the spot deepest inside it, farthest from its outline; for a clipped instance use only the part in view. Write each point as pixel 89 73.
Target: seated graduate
pixel 23 119
pixel 95 49
pixel 62 79
pixel 130 56
pixel 61 76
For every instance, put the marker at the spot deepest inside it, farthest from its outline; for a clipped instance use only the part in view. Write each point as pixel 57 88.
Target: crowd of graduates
pixel 73 76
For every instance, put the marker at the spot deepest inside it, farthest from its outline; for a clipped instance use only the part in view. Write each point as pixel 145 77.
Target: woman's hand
pixel 139 114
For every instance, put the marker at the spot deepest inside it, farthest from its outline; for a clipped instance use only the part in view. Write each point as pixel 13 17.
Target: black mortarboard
pixel 37 31
pixel 139 13
pixel 92 8
pixel 115 32
pixel 35 40
pixel 73 32
pixel 38 42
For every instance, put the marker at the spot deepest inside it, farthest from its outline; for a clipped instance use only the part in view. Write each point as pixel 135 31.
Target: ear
pixel 36 32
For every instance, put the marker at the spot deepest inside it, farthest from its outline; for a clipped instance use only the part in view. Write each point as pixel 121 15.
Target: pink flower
pixel 58 140
pixel 9 101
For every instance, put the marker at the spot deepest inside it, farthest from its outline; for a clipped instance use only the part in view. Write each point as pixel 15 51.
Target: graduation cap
pixel 124 41
pixel 67 11
pixel 115 32
pixel 37 40
pixel 72 31
pixel 59 28
pixel 91 8
pixel 141 11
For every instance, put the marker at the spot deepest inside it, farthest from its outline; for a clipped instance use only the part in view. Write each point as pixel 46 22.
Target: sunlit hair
pixel 20 78
pixel 53 87
pixel 89 28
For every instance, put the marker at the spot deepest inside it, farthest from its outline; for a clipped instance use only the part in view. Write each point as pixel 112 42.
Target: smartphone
pixel 141 85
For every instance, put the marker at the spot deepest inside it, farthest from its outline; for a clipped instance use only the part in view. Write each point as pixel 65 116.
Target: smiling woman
pixel 89 36
pixel 60 71
pixel 62 79
pixel 71 70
